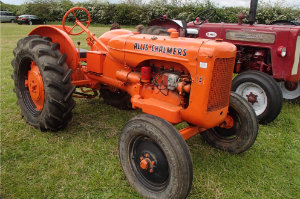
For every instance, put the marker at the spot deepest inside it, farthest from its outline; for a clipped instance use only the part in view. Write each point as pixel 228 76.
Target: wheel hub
pixel 252 98
pixel 255 95
pixel 291 86
pixel 35 85
pixel 290 90
pixel 228 123
pixel 146 164
pixel 150 163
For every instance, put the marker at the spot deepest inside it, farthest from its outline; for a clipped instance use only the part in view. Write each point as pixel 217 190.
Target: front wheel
pixel 155 158
pixel 30 23
pixel 262 92
pixel 238 132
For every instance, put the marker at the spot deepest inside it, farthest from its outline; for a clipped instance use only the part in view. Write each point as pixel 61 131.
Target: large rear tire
pixel 155 158
pixel 290 90
pixel 262 92
pixel 42 83
pixel 239 131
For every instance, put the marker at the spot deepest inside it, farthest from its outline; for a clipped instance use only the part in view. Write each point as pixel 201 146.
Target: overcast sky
pixel 244 3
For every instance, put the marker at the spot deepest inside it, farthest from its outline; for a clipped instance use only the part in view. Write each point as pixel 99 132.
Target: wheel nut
pixel 144 164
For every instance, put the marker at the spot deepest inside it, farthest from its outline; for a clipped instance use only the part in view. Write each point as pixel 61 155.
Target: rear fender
pixel 57 35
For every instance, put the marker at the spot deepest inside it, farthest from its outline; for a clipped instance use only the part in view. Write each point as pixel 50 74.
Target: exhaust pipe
pixel 252 12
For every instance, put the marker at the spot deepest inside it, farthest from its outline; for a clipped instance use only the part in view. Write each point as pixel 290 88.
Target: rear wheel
pixel 262 92
pixel 290 90
pixel 42 83
pixel 30 23
pixel 155 158
pixel 239 130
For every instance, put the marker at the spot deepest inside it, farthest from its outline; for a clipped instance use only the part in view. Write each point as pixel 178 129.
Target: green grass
pixel 82 160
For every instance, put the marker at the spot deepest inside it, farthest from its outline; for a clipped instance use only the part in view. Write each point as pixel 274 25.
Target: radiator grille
pixel 221 84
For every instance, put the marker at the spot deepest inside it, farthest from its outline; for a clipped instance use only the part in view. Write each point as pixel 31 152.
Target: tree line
pixel 133 12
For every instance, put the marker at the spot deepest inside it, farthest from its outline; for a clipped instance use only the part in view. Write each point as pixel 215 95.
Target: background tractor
pixel 263 51
pixel 171 79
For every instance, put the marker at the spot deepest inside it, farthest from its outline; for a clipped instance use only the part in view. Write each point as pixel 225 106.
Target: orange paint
pixel 190 131
pixel 204 69
pixel 228 123
pixel 72 11
pixel 144 164
pixel 35 85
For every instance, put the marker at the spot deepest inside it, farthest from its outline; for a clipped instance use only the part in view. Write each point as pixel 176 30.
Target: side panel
pixel 262 36
pixel 295 68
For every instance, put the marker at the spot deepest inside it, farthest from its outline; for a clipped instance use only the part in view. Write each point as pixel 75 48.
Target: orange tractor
pixel 170 78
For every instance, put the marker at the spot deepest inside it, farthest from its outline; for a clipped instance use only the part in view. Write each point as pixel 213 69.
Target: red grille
pixel 220 87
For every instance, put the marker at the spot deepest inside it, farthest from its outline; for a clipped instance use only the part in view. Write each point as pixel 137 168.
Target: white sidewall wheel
pixel 288 94
pixel 247 89
pixel 30 23
pixel 262 92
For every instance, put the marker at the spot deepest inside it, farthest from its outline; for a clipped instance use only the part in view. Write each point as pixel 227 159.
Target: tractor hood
pixel 137 48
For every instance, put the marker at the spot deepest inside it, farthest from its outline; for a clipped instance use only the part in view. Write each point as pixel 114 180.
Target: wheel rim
pixel 255 95
pixel 229 130
pixel 34 84
pixel 290 90
pixel 149 163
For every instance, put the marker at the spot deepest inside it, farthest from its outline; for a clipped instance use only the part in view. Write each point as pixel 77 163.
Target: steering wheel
pixel 204 15
pixel 77 22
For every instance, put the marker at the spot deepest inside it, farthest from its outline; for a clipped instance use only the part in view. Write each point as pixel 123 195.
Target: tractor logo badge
pixel 203 65
pixel 160 49
pixel 211 34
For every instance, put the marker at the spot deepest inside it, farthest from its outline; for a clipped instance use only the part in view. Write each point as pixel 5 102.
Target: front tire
pixel 239 131
pixel 42 83
pixel 155 158
pixel 262 92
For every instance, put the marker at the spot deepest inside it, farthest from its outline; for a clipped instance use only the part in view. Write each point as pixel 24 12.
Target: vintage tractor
pixel 263 51
pixel 171 79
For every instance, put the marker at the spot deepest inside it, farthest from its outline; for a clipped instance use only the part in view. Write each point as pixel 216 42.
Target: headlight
pixel 281 51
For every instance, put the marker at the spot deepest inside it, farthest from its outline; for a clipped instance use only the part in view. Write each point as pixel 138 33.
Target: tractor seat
pixel 82 52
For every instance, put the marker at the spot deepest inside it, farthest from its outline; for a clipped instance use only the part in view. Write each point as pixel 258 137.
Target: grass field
pixel 82 160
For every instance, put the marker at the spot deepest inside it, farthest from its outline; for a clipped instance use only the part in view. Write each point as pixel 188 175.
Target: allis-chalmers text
pixel 161 49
